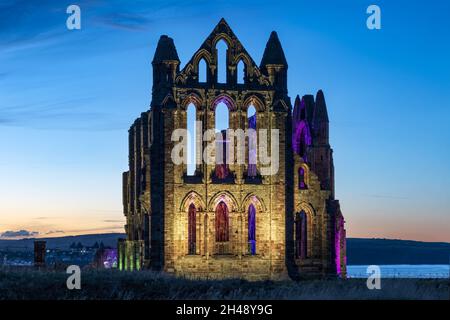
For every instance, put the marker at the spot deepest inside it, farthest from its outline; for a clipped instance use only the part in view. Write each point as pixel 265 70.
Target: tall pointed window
pixel 202 71
pixel 241 72
pixel 191 143
pixel 301 237
pixel 222 223
pixel 252 230
pixel 251 118
pixel 222 49
pixel 192 225
pixel 221 125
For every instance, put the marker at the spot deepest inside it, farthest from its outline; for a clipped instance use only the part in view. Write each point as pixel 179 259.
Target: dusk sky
pixel 67 99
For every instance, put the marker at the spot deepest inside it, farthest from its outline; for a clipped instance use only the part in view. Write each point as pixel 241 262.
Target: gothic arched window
pixel 301 139
pixel 192 228
pixel 252 229
pixel 221 125
pixel 301 236
pixel 222 223
pixel 222 49
pixel 191 143
pixel 251 116
pixel 301 179
pixel 202 71
pixel 241 72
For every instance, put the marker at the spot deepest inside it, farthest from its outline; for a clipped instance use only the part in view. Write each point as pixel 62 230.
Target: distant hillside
pixel 108 239
pixel 359 251
pixel 387 251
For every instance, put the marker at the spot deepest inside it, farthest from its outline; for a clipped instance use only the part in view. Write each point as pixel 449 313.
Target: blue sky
pixel 67 99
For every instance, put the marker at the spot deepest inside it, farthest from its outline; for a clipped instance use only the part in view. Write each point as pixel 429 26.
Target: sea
pixel 432 271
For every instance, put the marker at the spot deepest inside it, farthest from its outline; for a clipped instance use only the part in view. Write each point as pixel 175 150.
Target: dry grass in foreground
pixel 107 284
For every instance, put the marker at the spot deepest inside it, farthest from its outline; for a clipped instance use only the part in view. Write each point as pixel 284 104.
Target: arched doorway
pixel 301 236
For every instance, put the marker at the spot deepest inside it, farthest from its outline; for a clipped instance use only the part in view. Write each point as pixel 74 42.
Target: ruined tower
pixel 231 219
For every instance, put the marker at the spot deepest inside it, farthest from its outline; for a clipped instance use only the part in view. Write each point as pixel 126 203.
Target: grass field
pixel 106 284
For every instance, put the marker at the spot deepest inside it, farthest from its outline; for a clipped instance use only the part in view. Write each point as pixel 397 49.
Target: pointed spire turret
pixel 274 65
pixel 308 99
pixel 296 112
pixel 320 111
pixel 273 53
pixel 165 50
pixel 320 121
pixel 165 67
pixel 321 156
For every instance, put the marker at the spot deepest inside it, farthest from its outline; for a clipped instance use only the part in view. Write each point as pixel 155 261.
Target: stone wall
pixel 157 192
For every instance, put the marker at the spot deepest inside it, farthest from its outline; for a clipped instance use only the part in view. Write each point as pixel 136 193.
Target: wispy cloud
pixel 10 234
pixel 126 21
pixel 54 231
pixel 25 24
pixel 45 115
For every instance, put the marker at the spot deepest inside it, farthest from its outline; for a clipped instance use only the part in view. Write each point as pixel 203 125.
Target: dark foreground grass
pixel 106 284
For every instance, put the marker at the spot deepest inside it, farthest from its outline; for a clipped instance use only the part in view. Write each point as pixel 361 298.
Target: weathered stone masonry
pixel 243 224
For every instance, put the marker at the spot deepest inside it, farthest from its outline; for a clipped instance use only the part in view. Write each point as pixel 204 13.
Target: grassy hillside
pixel 386 251
pixel 108 239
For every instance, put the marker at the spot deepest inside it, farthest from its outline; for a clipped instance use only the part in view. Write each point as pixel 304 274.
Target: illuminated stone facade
pixel 235 222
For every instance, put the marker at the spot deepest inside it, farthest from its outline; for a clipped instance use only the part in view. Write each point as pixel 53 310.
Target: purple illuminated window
pixel 192 228
pixel 252 229
pixel 109 258
pixel 339 242
pixel 301 179
pixel 301 138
